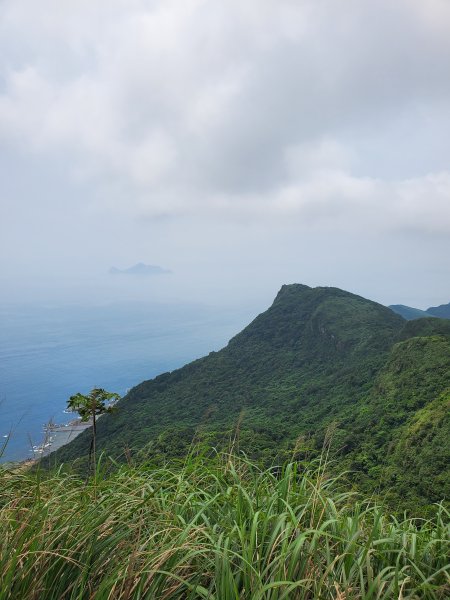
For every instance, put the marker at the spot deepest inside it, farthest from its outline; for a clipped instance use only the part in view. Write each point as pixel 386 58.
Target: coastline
pixel 55 436
pixel 59 435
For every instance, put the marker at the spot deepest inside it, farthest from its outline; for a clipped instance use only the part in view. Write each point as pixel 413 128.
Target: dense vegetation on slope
pixel 318 359
pixel 220 529
pixel 402 428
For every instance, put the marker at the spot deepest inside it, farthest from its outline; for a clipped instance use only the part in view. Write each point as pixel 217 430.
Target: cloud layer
pixel 292 115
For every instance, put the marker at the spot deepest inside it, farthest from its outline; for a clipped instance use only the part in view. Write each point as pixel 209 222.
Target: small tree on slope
pixel 97 402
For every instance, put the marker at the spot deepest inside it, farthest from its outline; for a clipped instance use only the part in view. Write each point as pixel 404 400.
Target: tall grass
pixel 218 529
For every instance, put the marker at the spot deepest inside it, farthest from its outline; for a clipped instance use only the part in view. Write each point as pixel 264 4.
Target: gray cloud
pixel 174 124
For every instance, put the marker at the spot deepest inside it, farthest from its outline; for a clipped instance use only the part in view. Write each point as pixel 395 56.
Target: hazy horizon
pixel 102 292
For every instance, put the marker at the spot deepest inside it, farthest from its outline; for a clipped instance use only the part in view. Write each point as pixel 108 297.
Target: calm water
pixel 48 354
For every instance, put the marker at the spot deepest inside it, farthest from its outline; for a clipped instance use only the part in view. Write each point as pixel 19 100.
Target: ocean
pixel 49 353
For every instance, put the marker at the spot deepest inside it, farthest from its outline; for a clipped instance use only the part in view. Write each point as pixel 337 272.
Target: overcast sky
pixel 240 144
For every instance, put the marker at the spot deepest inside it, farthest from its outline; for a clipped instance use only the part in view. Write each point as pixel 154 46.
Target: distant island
pixel 140 269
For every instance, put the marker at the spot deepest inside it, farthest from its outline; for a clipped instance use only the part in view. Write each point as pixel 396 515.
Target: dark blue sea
pixel 49 353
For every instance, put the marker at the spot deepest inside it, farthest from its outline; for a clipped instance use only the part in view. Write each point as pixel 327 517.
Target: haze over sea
pixel 49 353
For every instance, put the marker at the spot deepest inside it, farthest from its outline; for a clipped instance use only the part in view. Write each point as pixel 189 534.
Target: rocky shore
pixel 56 436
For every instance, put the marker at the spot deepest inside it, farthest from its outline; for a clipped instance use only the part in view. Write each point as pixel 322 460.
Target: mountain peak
pixel 321 321
pixel 291 289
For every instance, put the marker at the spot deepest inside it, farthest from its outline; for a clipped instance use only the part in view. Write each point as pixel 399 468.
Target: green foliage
pixel 218 528
pixel 93 404
pixel 318 358
pixel 424 328
pixel 403 426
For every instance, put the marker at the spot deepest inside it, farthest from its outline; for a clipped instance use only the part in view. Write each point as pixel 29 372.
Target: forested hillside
pixel 319 362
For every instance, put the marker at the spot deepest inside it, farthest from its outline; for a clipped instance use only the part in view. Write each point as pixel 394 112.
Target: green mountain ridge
pixel 319 360
pixel 409 313
pixel 442 311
